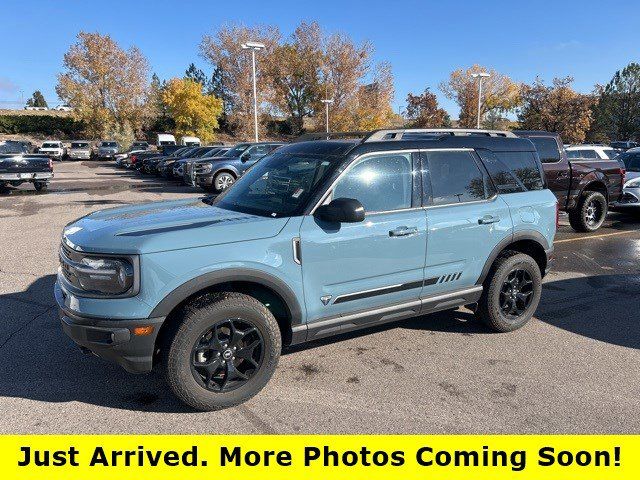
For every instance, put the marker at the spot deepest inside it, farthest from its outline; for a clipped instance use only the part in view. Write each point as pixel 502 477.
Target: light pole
pixel 479 76
pixel 326 102
pixel 254 47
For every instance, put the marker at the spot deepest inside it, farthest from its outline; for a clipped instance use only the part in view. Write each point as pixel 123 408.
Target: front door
pixel 351 267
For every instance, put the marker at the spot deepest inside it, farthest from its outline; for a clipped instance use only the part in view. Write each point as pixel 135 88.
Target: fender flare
pixel 226 167
pixel 515 237
pixel 594 177
pixel 211 279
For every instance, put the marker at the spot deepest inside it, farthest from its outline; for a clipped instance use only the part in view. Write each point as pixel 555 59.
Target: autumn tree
pixel 37 100
pixel 193 112
pixel 105 85
pixel 294 73
pixel 499 93
pixel 224 50
pixel 556 108
pixel 616 115
pixel 423 111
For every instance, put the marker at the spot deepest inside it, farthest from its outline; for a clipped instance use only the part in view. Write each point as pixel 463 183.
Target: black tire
pixel 494 302
pixel 197 320
pixel 40 186
pixel 590 212
pixel 219 185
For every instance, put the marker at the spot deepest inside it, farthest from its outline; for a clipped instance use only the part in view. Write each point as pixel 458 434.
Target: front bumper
pixel 26 176
pixel 112 340
pixel 204 180
pixel 630 199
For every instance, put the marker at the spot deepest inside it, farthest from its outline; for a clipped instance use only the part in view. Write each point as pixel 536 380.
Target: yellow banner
pixel 339 457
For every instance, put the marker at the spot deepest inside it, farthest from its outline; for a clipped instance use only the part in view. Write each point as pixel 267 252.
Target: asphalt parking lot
pixel 573 369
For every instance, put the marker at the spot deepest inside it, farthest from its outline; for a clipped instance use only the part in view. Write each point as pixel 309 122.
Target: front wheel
pixel 222 181
pixel 590 212
pixel 511 292
pixel 224 351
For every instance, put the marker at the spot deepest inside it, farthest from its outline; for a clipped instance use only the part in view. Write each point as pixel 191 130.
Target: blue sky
pixel 423 40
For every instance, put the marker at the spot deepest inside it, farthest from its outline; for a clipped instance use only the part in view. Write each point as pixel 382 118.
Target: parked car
pixel 137 146
pixel 591 152
pixel 150 163
pixel 624 145
pixel 54 149
pixel 62 108
pixel 19 167
pixel 317 239
pixel 165 139
pixel 183 168
pixel 107 149
pixel 630 200
pixel 219 173
pixel 80 150
pixel 190 141
pixel 166 165
pixel 584 188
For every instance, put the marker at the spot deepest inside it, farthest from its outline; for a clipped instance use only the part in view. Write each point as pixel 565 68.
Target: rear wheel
pixel 39 186
pixel 223 352
pixel 222 181
pixel 511 292
pixel 590 213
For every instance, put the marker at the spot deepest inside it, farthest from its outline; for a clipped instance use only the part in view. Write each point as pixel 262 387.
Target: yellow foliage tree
pixel 193 112
pixel 500 94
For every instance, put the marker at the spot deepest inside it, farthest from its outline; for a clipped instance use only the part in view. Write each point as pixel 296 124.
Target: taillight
pixel 50 164
pixel 557 215
pixel 623 175
pixel 133 158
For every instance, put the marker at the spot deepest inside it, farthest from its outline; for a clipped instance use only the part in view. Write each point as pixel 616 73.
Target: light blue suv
pixel 317 239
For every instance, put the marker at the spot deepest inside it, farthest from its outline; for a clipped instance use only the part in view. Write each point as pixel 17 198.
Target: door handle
pixel 487 219
pixel 403 231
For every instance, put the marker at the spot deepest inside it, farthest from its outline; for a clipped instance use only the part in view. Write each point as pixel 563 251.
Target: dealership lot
pixel 574 369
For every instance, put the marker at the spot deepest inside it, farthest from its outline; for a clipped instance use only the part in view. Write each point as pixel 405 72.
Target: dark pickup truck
pixel 17 166
pixel 584 187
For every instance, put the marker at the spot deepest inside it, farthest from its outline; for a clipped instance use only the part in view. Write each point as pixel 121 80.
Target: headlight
pixel 100 275
pixel 205 168
pixel 633 183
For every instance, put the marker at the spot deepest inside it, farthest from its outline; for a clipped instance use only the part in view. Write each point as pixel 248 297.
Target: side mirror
pixel 341 210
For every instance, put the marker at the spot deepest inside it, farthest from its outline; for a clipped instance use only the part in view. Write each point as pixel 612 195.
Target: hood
pixel 161 226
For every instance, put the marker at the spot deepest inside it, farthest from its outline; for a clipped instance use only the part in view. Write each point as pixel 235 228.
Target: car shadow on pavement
pixel 42 364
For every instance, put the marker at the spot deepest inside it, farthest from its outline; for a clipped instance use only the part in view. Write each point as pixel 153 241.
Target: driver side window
pixel 381 183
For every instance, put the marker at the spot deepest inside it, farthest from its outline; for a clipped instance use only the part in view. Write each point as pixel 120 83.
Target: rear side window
pixel 503 178
pixel 454 177
pixel 585 153
pixel 524 167
pixel 547 148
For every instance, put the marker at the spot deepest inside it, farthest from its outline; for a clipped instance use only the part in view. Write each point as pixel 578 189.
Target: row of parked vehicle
pixel 214 168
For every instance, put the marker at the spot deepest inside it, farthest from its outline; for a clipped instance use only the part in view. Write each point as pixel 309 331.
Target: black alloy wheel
pixel 516 294
pixel 227 355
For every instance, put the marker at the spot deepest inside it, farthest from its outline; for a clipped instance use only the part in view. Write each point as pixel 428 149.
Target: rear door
pixel 465 216
pixel 379 262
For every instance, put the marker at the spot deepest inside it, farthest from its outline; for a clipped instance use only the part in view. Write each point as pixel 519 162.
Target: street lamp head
pixel 253 46
pixel 327 100
pixel 480 74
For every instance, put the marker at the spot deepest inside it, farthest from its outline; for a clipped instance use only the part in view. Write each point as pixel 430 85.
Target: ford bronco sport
pixel 317 239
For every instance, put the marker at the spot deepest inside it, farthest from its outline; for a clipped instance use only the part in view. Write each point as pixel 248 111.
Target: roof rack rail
pixel 398 133
pixel 329 136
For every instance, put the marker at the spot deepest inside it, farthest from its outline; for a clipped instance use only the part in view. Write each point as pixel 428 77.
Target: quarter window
pixel 381 182
pixel 524 167
pixel 454 177
pixel 547 148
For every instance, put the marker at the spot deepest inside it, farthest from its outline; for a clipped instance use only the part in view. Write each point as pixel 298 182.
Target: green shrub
pixel 43 124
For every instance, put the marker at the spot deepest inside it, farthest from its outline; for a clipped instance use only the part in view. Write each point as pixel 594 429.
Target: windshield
pixel 50 145
pixel 237 150
pixel 631 161
pixel 79 145
pixel 279 185
pixel 109 144
pixel 610 153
